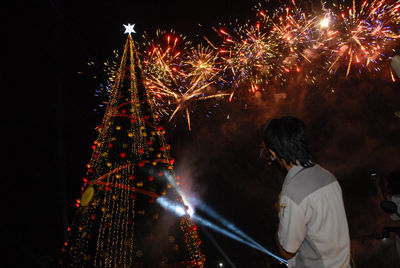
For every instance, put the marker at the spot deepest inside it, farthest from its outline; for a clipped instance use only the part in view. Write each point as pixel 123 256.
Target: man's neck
pixel 286 165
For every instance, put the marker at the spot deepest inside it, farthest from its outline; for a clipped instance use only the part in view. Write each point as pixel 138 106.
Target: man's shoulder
pixel 307 182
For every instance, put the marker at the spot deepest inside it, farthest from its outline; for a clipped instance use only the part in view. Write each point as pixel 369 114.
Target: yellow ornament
pixel 87 196
pixel 139 253
pixel 124 145
pixel 118 127
pixel 139 184
pixel 118 176
pixel 109 164
pixel 130 134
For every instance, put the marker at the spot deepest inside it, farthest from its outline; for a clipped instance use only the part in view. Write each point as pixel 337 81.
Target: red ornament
pixel 199 242
pixel 85 180
pixel 141 150
pixel 107 188
pixel 150 143
pixel 123 154
pixel 162 148
pixel 133 120
pixel 152 200
pixel 90 236
pixel 93 217
pixel 131 177
pixel 159 174
pixel 172 161
pixel 94 147
pixel 146 117
pixel 141 164
pixel 123 111
pixel 150 237
pixel 110 145
pixel 91 170
pixel 151 178
pixel 96 155
pixel 132 196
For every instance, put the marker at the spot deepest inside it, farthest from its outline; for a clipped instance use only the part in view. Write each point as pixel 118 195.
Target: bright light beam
pixel 180 211
pixel 211 238
pixel 171 180
pixel 212 213
pixel 220 230
pixel 175 207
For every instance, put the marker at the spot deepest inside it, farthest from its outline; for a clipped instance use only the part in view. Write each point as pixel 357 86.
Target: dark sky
pixel 49 126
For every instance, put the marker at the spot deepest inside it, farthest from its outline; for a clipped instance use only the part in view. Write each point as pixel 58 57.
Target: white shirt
pixel 312 219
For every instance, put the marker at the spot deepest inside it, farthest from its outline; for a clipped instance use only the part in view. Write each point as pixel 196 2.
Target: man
pixel 313 230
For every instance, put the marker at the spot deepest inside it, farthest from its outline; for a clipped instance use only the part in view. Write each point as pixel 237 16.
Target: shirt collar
pixel 292 172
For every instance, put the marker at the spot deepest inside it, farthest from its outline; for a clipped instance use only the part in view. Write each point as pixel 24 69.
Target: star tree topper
pixel 129 28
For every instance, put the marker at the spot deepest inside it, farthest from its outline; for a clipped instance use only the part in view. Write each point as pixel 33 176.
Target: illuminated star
pixel 129 28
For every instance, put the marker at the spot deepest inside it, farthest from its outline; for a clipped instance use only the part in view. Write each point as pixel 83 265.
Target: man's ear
pixel 272 153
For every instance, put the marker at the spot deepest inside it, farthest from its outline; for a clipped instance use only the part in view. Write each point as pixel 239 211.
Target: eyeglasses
pixel 265 153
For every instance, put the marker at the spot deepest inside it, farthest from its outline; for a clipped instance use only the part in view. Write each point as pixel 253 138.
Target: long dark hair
pixel 288 138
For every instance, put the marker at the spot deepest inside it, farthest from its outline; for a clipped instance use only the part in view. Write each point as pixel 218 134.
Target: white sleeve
pixel 292 226
pixel 396 200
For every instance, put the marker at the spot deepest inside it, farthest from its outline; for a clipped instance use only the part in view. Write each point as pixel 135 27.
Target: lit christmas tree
pixel 118 222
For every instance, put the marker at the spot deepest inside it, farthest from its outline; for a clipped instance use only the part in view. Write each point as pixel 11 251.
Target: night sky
pixel 49 120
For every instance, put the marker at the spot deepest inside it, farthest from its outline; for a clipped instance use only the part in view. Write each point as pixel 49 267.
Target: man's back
pixel 313 220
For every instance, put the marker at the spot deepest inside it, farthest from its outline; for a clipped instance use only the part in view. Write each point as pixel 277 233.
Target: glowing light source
pixel 129 28
pixel 325 22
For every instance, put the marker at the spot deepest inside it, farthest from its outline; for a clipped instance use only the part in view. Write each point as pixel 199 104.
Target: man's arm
pixel 282 251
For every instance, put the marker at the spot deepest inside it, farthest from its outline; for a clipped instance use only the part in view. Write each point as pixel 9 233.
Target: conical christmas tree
pixel 118 222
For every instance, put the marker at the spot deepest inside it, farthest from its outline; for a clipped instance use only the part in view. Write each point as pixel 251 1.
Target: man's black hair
pixel 393 180
pixel 288 138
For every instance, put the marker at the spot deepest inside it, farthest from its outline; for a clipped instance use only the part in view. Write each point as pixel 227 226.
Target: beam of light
pixel 175 207
pixel 171 180
pixel 211 238
pixel 216 228
pixel 215 215
pixel 180 210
